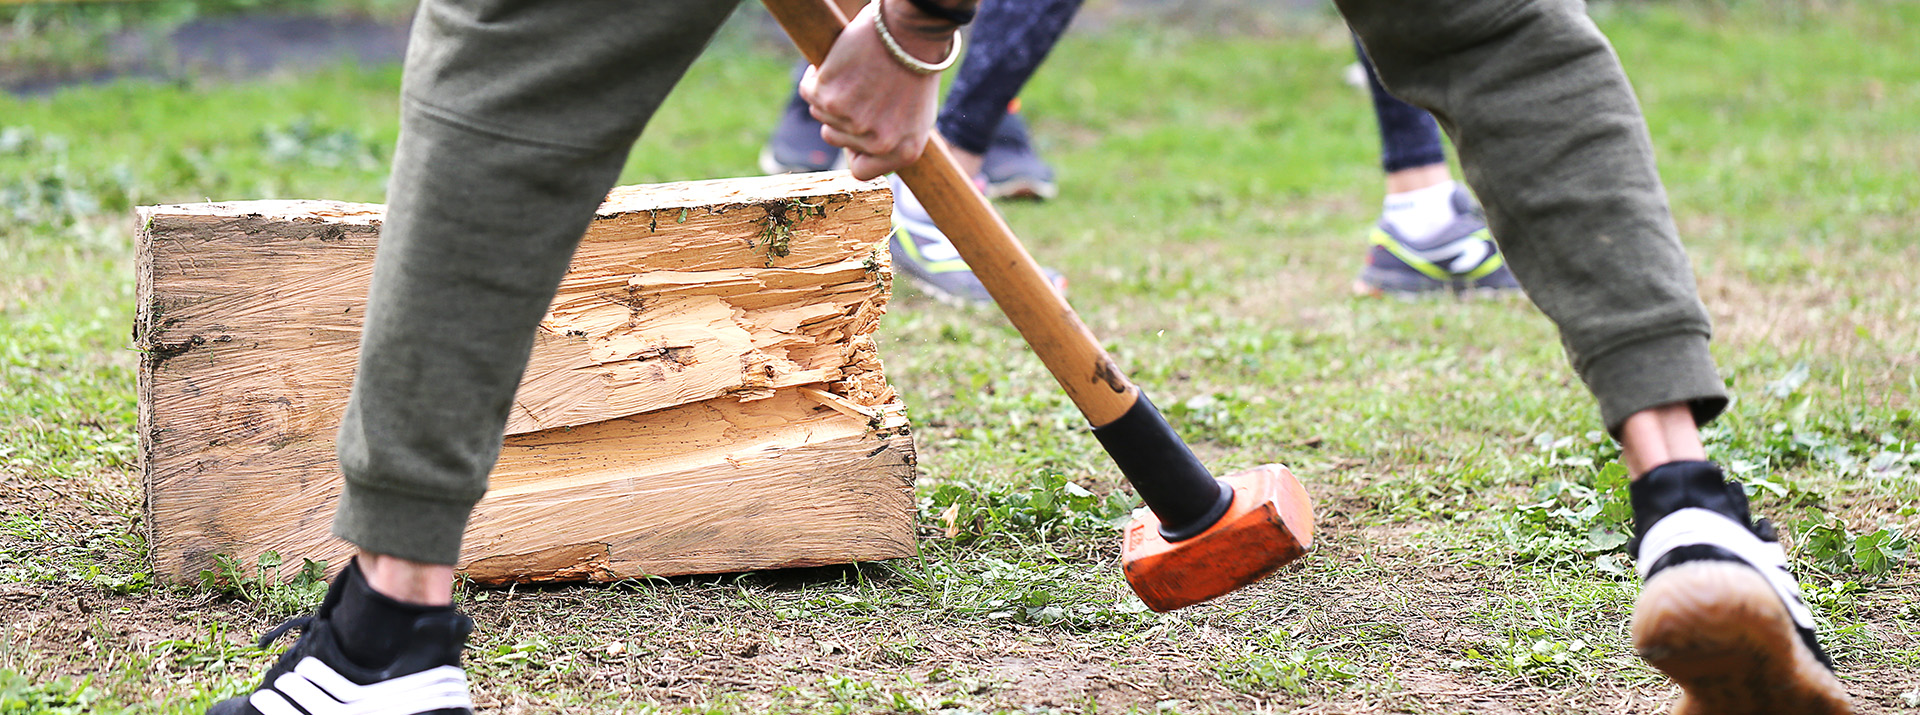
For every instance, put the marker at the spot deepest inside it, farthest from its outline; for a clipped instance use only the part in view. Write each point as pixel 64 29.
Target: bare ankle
pixel 1419 177
pixel 407 581
pixel 1658 435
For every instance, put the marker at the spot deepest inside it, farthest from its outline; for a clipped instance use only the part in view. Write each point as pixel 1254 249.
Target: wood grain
pixel 704 395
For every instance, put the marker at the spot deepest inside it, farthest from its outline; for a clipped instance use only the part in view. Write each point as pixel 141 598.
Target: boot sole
pixel 1722 633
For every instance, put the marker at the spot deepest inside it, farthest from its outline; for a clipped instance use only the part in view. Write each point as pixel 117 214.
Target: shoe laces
pixel 300 623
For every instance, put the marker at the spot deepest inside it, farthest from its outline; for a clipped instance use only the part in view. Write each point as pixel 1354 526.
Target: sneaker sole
pixel 947 298
pixel 928 289
pixel 1364 289
pixel 771 166
pixel 1023 188
pixel 1721 632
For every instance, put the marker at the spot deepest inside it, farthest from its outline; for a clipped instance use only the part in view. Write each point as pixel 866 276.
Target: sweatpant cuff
pixel 395 524
pixel 1661 371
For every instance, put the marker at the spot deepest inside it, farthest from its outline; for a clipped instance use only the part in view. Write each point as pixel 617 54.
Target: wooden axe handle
pixel 996 256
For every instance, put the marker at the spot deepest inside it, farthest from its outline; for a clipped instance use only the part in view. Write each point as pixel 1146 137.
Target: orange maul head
pixel 1269 524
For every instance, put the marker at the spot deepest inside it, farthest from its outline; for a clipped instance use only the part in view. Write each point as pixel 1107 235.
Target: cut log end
pixel 704 394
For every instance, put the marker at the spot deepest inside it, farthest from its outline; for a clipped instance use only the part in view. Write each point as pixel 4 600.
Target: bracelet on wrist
pixel 913 64
pixel 930 8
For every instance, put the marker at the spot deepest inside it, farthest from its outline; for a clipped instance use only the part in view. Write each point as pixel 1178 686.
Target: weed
pixel 1835 549
pixel 1831 598
pixel 536 652
pixel 1062 592
pixel 1591 517
pixel 1049 506
pixel 48 549
pixel 213 655
pixel 306 142
pixel 1537 656
pixel 1787 433
pixel 1273 662
pixel 63 696
pixel 55 190
pixel 1890 465
pixel 1224 417
pixel 280 594
pixel 1581 452
pixel 24 141
pixel 50 196
pixel 93 557
pixel 1453 492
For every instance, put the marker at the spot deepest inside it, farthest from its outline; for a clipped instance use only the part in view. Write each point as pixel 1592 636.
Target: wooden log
pixel 704 395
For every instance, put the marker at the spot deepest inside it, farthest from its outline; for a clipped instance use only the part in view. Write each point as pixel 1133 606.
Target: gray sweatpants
pixel 517 116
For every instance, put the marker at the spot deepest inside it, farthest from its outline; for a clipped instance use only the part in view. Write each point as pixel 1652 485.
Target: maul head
pixel 1200 537
pixel 1268 525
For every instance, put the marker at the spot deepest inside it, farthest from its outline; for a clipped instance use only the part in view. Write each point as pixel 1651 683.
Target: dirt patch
pixel 1403 605
pixel 693 647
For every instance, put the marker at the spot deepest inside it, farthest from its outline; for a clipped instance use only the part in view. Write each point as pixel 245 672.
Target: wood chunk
pixel 704 396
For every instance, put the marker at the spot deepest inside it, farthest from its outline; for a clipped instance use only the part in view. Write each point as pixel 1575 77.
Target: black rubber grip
pixel 1173 482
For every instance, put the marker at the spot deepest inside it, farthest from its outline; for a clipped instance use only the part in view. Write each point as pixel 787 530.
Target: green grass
pixel 67 40
pixel 1215 188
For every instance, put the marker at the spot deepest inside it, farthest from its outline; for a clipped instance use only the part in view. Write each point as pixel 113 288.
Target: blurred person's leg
pixel 1431 237
pixel 516 119
pixel 796 147
pixel 1553 141
pixel 1011 167
pixel 1009 40
pixel 1006 44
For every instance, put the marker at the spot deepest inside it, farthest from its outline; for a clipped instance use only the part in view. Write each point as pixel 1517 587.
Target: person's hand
pixel 871 104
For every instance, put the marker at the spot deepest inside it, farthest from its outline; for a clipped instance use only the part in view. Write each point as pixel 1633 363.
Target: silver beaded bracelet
pixel 906 60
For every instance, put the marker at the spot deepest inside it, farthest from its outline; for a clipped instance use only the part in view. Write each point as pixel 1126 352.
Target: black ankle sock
pixel 371 628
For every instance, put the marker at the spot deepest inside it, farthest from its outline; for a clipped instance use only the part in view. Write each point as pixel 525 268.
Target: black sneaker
pixel 1012 168
pixel 1720 613
pixel 315 678
pixel 922 252
pixel 1459 259
pixel 796 146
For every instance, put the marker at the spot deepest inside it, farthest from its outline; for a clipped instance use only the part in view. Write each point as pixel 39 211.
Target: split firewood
pixel 704 396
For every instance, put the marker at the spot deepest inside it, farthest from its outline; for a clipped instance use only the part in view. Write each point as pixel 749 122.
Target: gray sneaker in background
pixel 796 146
pixel 1012 168
pixel 1459 259
pixel 930 261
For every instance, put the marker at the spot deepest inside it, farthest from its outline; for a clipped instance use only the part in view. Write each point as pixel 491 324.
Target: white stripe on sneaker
pixel 1459 255
pixel 1471 256
pixel 312 688
pixel 271 703
pixel 1695 526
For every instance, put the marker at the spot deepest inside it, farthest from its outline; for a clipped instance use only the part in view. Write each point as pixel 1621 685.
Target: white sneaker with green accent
pixel 923 253
pixel 1458 258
